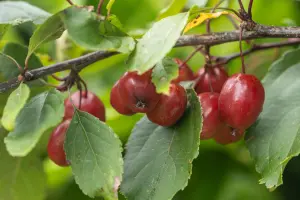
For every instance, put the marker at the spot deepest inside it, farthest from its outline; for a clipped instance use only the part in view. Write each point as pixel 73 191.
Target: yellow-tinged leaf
pixel 201 18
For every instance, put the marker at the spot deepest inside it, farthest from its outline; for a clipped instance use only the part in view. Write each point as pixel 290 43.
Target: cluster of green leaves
pixel 158 160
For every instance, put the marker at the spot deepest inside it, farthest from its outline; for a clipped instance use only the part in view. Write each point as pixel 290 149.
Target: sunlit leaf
pixel 157 42
pixel 17 12
pixel 39 114
pixel 163 73
pixel 14 104
pixel 3 28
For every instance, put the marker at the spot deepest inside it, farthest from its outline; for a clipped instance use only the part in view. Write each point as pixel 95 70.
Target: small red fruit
pixel 211 79
pixel 211 121
pixel 56 144
pixel 226 135
pixel 185 73
pixel 89 103
pixel 170 107
pixel 241 101
pixel 138 92
pixel 117 102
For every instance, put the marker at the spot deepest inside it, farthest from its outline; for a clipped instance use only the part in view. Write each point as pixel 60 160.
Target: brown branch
pixel 258 31
pixel 77 64
pixel 255 48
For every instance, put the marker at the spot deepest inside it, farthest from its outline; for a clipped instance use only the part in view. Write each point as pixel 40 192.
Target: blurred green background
pixel 219 173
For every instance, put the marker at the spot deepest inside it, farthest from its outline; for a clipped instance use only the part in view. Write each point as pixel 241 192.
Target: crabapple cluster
pixel 135 93
pixel 87 102
pixel 230 105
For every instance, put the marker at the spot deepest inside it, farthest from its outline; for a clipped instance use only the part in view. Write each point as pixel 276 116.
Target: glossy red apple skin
pixel 138 92
pixel 89 103
pixel 185 73
pixel 241 101
pixel 210 113
pixel 56 144
pixel 214 76
pixel 170 108
pixel 117 102
pixel 227 135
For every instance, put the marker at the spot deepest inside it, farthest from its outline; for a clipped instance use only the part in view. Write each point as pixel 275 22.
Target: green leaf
pixel 158 161
pixel 94 152
pixel 157 42
pixel 163 73
pixel 173 8
pixel 50 30
pixel 14 104
pixel 39 114
pixel 3 28
pixel 8 68
pixel 21 178
pixel 88 31
pixel 275 138
pixel 114 20
pixel 19 12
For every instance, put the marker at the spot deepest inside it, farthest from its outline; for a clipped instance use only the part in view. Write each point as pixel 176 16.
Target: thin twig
pixel 241 6
pixel 12 59
pixel 235 25
pixel 191 55
pixel 70 2
pixel 241 51
pixel 250 9
pixel 255 48
pixel 208 31
pixel 57 78
pixel 100 6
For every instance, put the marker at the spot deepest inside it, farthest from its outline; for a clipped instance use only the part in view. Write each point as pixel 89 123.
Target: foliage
pixel 158 162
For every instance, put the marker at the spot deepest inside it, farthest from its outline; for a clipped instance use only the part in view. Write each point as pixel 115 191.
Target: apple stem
pixel 80 95
pixel 241 51
pixel 84 85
